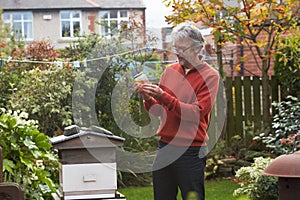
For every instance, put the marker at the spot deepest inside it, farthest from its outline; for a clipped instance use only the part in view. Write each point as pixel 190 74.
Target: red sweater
pixel 184 108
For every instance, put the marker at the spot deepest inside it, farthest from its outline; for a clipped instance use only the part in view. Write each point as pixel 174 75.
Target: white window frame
pixel 8 18
pixel 71 21
pixel 108 21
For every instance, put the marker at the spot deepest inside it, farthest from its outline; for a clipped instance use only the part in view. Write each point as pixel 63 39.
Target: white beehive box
pixel 88 168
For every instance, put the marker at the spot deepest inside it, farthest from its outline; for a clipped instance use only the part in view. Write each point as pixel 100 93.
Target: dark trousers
pixel 179 167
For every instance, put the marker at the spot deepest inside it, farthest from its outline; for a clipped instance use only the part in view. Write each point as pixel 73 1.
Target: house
pixel 62 21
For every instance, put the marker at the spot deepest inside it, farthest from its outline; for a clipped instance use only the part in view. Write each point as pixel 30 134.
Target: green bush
pixel 27 156
pixel 254 184
pixel 287 68
pixel 46 97
pixel 285 123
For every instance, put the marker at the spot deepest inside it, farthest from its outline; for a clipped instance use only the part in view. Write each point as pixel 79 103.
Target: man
pixel 183 100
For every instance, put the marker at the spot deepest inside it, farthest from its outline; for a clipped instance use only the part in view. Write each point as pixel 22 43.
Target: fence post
pixel 238 118
pixel 247 100
pixel 230 122
pixel 257 93
pixel 275 92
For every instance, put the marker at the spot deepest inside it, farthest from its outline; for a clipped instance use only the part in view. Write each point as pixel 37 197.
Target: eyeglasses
pixel 181 49
pixel 184 49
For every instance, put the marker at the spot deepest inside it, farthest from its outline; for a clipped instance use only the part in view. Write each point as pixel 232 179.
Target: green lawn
pixel 215 190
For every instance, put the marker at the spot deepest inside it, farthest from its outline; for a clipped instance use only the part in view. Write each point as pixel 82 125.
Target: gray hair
pixel 187 30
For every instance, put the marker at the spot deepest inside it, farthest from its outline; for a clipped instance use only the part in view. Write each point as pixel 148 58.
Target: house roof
pixel 70 4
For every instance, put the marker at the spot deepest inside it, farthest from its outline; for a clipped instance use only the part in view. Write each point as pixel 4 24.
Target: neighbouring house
pixel 62 21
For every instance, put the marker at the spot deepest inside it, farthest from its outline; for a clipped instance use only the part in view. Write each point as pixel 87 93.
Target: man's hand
pixel 138 87
pixel 148 90
pixel 152 90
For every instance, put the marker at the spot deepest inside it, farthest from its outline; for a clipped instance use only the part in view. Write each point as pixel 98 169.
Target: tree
pixel 287 66
pixel 259 24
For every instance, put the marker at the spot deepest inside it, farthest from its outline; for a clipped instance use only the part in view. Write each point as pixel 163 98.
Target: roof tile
pixel 70 4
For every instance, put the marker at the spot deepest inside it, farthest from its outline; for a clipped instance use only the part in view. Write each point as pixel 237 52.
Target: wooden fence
pixel 244 106
pixel 244 103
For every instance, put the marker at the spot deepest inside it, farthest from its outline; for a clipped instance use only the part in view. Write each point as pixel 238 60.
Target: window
pixel 111 20
pixel 21 24
pixel 70 24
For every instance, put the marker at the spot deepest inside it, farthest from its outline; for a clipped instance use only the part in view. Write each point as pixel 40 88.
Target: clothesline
pixel 78 62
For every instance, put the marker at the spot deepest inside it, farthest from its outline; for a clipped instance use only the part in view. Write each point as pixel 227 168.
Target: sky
pixel 155 12
pixel 155 18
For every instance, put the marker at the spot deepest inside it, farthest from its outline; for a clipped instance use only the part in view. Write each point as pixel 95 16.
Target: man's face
pixel 185 53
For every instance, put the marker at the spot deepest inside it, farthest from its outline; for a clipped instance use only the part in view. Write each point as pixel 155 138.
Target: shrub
pixel 286 123
pixel 287 66
pixel 254 184
pixel 27 156
pixel 40 51
pixel 46 97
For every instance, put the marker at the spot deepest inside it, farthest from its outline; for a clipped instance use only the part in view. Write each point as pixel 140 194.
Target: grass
pixel 215 190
